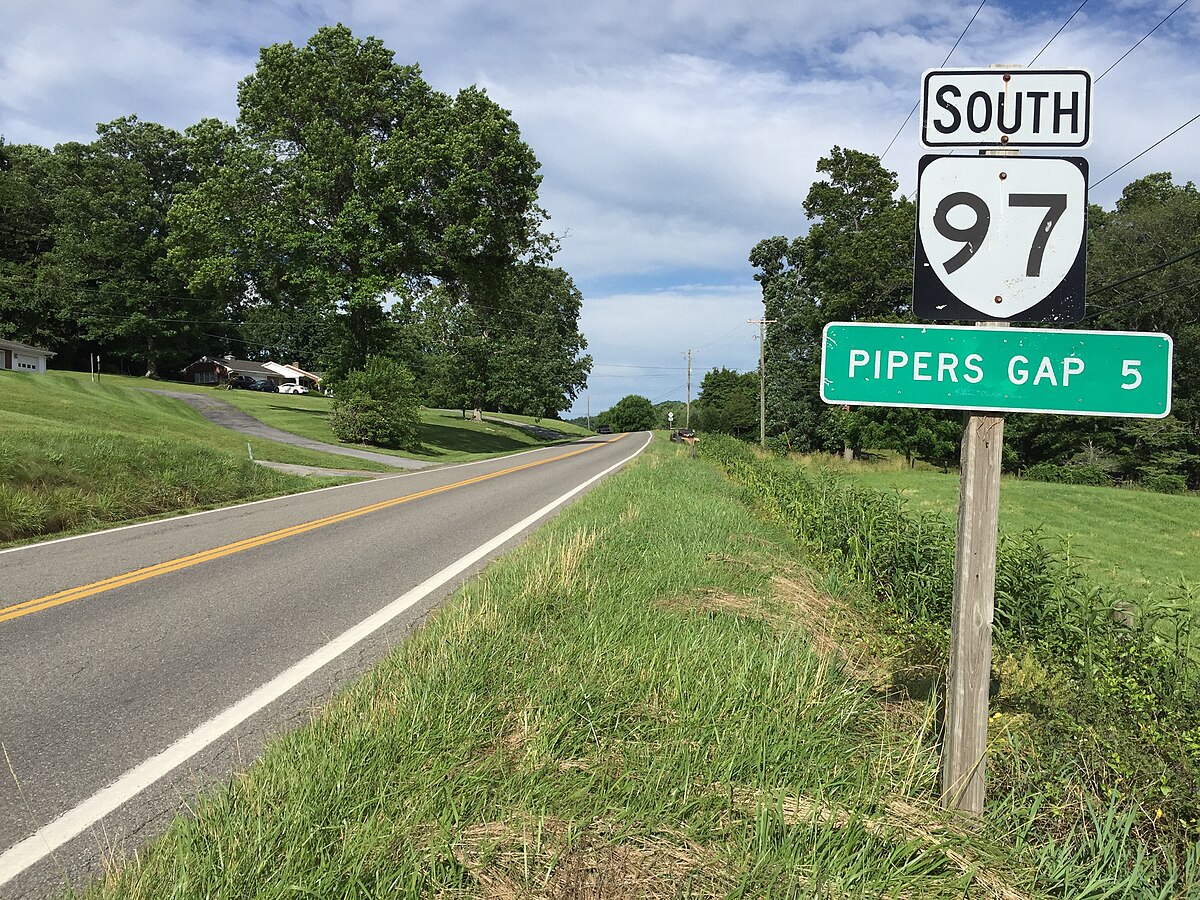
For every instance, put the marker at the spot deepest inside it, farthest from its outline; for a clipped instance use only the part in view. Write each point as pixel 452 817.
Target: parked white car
pixel 292 389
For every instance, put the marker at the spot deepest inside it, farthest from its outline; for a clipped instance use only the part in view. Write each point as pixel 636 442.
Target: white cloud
pixel 639 340
pixel 673 135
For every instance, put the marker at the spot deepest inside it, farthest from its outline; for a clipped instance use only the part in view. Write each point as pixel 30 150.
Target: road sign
pixel 1006 108
pixel 1001 238
pixel 1094 373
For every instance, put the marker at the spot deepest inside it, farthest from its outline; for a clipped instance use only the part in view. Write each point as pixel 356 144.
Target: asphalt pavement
pixel 145 663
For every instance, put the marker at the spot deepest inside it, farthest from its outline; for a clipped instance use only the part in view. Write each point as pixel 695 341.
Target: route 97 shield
pixel 1001 238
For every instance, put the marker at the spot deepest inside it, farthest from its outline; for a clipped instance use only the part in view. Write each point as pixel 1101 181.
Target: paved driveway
pixel 229 416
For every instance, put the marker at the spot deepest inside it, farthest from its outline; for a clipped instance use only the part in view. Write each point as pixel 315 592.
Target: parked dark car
pixel 679 434
pixel 264 386
pixel 243 382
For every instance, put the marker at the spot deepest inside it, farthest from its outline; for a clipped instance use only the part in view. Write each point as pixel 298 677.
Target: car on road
pixel 604 429
pixel 289 388
pixel 678 435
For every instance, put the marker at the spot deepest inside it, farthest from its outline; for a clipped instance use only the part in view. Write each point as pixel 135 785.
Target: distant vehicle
pixel 679 434
pixel 264 386
pixel 604 429
pixel 289 388
pixel 245 382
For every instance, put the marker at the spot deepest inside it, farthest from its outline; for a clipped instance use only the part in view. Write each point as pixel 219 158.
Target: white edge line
pixel 54 834
pixel 333 487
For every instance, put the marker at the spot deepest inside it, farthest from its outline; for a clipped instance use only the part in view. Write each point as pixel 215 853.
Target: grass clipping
pixel 557 860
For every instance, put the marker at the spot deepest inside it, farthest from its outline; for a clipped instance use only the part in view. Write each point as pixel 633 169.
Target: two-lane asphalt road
pixel 140 664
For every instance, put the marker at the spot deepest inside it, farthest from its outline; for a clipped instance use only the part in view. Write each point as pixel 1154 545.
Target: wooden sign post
pixel 964 747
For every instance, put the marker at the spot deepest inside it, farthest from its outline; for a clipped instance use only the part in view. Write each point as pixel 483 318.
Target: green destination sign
pixel 1094 373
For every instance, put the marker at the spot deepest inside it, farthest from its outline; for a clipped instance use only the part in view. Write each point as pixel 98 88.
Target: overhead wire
pixel 944 61
pixel 1149 271
pixel 1060 31
pixel 1137 301
pixel 1144 152
pixel 1162 22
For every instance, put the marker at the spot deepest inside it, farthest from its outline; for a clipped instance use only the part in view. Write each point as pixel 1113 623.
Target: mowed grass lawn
pixel 1144 543
pixel 76 455
pixel 445 435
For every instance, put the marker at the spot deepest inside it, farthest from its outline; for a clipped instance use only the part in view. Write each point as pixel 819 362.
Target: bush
pixel 1082 474
pixel 378 405
pixel 1165 484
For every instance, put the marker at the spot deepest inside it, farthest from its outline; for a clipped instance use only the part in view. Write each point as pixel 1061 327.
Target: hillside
pixel 76 455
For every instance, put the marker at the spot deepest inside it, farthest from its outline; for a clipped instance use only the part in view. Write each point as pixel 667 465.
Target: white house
pixel 22 357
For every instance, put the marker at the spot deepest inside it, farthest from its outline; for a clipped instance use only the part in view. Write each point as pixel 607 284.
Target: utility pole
pixel 589 410
pixel 762 376
pixel 687 422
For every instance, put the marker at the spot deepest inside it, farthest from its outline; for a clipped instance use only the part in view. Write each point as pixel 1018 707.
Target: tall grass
pixel 64 480
pixel 1097 701
pixel 635 704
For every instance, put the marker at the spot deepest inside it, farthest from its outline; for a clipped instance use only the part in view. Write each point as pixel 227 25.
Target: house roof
pixel 292 371
pixel 239 366
pixel 27 348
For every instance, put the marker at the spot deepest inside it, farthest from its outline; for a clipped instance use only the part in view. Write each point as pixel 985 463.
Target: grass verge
pixel 445 435
pixel 76 456
pixel 1158 532
pixel 648 699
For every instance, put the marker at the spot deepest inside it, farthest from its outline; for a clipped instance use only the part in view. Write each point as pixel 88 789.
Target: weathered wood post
pixel 964 747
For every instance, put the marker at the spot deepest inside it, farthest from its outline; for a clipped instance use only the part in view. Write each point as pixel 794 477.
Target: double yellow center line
pixel 174 565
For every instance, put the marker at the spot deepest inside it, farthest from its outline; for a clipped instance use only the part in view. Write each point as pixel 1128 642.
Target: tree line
pixel 856 264
pixel 351 212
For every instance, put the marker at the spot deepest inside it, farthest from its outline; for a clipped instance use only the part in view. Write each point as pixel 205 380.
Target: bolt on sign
pixel 997 108
pixel 1001 238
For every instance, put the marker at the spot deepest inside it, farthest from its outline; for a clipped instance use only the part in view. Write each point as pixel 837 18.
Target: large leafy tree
pixel 728 403
pixel 109 261
pixel 537 366
pixel 525 356
pixel 317 209
pixel 855 263
pixel 28 312
pixel 350 180
pixel 631 413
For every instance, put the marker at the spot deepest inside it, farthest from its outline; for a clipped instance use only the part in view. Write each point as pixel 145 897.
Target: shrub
pixel 1165 484
pixel 1078 474
pixel 377 405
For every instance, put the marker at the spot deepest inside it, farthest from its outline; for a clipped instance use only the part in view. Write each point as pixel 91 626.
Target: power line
pixel 1139 43
pixel 1140 300
pixel 1060 31
pixel 1151 270
pixel 1147 150
pixel 625 366
pixel 944 61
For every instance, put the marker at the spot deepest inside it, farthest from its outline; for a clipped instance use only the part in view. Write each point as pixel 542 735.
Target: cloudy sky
pixel 673 135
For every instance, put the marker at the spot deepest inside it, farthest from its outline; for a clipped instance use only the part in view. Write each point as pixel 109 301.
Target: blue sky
pixel 672 135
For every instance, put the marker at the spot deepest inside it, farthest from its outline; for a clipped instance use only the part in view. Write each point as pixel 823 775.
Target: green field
pixel 76 455
pixel 1142 542
pixel 445 435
